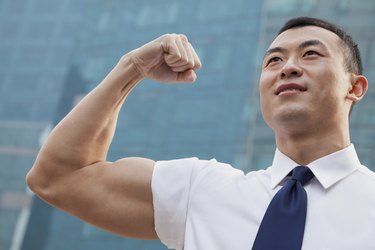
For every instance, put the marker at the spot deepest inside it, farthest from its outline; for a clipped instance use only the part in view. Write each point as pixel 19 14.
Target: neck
pixel 306 147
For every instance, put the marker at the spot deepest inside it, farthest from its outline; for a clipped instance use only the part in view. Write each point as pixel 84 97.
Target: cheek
pixel 331 97
pixel 262 91
pixel 336 86
pixel 265 82
pixel 265 89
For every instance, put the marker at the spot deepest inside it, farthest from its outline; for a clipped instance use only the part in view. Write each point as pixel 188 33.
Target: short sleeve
pixel 170 185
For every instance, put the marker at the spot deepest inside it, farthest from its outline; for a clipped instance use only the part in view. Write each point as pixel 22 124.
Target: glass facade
pixel 37 39
pixel 357 18
pixel 53 52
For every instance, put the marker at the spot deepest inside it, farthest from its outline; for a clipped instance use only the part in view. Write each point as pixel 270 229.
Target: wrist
pixel 124 76
pixel 129 63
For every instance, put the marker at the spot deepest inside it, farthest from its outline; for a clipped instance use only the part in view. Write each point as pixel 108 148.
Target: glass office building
pixel 37 39
pixel 358 19
pixel 53 52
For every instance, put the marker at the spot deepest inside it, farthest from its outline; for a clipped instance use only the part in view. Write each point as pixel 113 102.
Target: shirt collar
pixel 328 170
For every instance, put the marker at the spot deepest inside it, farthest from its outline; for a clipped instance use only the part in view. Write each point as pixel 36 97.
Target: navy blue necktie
pixel 283 224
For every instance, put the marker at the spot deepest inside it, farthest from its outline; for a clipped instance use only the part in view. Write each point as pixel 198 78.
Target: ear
pixel 358 88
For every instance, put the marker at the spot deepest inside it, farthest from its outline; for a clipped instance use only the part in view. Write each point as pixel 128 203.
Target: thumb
pixel 187 76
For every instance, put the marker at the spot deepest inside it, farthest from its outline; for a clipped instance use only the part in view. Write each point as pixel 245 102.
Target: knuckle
pixel 178 57
pixel 171 59
pixel 168 36
pixel 184 60
pixel 183 37
pixel 191 64
pixel 197 65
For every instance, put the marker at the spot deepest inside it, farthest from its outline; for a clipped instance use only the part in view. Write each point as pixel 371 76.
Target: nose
pixel 290 69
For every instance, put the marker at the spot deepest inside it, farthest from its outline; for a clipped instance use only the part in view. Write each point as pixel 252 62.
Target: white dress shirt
pixel 207 205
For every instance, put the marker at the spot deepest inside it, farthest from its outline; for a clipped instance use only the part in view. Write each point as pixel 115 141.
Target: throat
pixel 308 148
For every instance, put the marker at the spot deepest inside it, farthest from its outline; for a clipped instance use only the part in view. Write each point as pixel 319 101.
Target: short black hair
pixel 352 56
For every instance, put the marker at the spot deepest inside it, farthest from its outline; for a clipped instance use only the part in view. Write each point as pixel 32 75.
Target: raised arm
pixel 71 171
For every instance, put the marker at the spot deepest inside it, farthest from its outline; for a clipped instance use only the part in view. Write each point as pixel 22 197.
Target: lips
pixel 290 87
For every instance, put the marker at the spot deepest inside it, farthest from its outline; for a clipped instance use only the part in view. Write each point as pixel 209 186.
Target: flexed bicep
pixel 113 196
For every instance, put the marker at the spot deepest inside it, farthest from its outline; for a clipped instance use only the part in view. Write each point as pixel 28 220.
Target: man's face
pixel 304 79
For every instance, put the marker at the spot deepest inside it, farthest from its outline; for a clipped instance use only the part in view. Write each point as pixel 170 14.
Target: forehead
pixel 296 36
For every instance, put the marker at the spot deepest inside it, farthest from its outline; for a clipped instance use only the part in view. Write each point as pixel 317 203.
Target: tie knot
pixel 302 174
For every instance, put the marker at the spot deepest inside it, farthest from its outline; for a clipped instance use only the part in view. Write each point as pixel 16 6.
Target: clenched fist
pixel 169 58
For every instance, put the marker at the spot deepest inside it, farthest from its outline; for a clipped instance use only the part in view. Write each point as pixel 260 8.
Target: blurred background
pixel 52 52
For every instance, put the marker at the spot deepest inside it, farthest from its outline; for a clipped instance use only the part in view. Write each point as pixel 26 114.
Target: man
pixel 311 77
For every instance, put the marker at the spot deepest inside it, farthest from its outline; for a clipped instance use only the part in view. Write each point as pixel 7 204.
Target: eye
pixel 274 59
pixel 311 53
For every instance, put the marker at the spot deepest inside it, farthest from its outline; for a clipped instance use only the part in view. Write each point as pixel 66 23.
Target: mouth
pixel 290 88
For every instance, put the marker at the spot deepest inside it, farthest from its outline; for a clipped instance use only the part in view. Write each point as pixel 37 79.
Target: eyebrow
pixel 303 45
pixel 309 43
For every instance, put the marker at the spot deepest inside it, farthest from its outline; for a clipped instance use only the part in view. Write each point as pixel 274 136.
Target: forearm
pixel 70 171
pixel 84 135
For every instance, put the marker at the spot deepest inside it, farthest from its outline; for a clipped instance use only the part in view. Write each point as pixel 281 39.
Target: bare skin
pixel 311 123
pixel 71 171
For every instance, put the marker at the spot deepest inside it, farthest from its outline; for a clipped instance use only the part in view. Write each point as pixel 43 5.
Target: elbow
pixel 39 184
pixel 33 182
pixel 45 181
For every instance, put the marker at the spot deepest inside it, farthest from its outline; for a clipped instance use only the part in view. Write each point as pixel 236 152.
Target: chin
pixel 289 117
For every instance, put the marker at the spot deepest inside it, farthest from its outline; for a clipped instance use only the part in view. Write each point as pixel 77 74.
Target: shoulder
pixel 361 185
pixel 195 168
pixel 367 174
pixel 193 173
pixel 175 183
